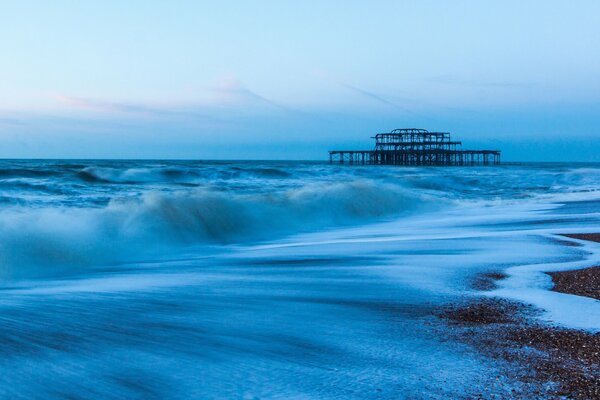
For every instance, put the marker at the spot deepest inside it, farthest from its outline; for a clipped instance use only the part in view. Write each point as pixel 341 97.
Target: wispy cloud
pixel 194 111
pixel 457 81
pixel 368 94
pixel 372 96
pixel 384 100
pixel 106 106
pixel 227 92
pixel 232 89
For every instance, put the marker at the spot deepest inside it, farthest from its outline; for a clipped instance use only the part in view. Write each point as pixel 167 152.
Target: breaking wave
pixel 60 216
pixel 37 242
pixel 98 174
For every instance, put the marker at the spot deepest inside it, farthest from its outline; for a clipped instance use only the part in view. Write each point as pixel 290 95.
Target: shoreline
pixel 580 282
pixel 546 361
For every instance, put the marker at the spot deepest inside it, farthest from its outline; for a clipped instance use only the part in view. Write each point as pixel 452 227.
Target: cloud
pixel 107 106
pixel 227 92
pixel 380 99
pixel 193 111
pixel 365 93
pixel 232 89
pixel 372 96
pixel 454 80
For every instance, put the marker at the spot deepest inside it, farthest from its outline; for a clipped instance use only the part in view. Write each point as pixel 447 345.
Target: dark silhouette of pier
pixel 416 147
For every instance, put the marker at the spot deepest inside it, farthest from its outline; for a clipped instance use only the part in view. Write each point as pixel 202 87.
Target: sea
pixel 274 279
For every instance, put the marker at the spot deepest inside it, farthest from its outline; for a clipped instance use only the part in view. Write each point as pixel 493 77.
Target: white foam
pixel 530 284
pixel 46 241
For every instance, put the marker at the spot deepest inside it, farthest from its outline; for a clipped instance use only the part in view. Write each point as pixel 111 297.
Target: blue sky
pixel 283 79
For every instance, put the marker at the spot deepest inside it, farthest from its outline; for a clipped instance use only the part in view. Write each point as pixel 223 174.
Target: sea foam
pixel 41 241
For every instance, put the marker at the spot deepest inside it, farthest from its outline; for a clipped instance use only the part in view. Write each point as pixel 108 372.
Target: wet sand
pixel 549 361
pixel 581 282
pixel 594 237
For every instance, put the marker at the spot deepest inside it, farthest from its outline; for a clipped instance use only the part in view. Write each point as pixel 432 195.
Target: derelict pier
pixel 416 147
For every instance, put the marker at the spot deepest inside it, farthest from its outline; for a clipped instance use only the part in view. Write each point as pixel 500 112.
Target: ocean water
pixel 190 279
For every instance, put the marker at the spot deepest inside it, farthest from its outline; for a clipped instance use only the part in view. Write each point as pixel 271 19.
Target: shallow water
pixel 176 279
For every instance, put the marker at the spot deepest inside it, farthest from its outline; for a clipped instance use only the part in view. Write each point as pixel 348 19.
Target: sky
pixel 291 80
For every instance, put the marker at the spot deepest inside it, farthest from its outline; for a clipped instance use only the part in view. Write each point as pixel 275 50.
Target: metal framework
pixel 416 147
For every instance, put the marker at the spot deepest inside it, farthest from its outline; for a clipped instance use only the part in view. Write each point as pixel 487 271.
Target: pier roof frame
pixel 410 132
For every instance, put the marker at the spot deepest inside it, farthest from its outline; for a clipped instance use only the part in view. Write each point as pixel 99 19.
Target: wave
pixel 162 174
pixel 264 172
pixel 29 185
pixel 38 242
pixel 27 172
pixel 90 216
pixel 119 175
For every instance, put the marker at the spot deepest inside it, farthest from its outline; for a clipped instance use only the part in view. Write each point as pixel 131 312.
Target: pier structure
pixel 416 147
